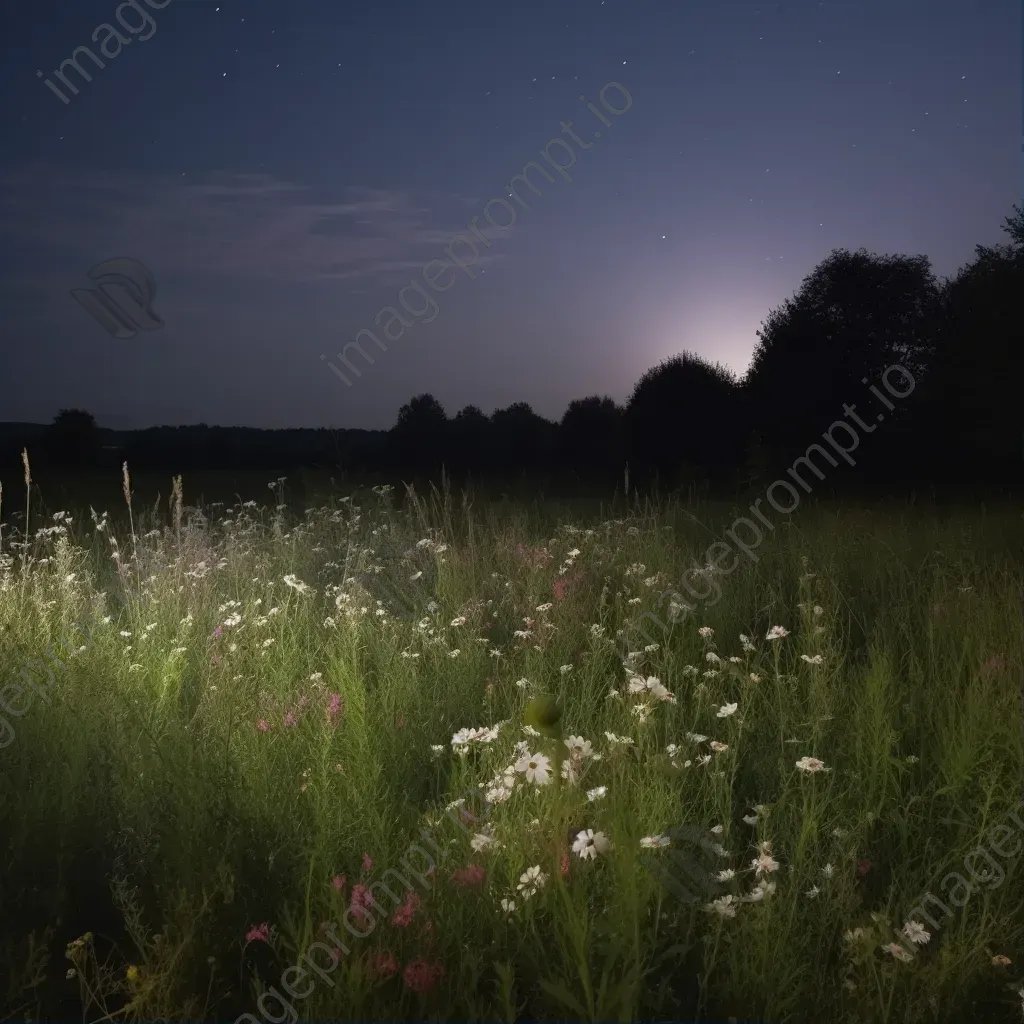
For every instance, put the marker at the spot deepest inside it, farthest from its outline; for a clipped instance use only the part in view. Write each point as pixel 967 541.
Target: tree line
pixel 928 372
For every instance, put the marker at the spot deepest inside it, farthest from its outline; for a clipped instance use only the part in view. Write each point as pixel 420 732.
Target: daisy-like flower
pixel 483 841
pixel 655 842
pixel 776 633
pixel 764 862
pixel 811 765
pixel 536 768
pixel 589 844
pixel 917 933
pixel 706 632
pixel 816 659
pixel 726 875
pixel 718 748
pixel 897 952
pixel 531 880
pixel 726 710
pixel 761 891
pixel 618 740
pixel 597 793
pixel 579 748
pixel 724 906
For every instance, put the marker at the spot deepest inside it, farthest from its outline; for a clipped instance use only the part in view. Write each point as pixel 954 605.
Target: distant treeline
pixel 873 375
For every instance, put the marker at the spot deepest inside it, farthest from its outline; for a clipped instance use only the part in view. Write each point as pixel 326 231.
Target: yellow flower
pixel 132 973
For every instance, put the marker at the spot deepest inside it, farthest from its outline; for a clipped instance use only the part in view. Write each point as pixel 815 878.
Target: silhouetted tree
pixel 854 316
pixel 970 425
pixel 470 440
pixel 683 418
pixel 72 439
pixel 522 440
pixel 420 434
pixel 590 436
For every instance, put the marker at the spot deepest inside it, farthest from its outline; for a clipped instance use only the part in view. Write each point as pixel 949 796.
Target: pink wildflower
pixel 289 720
pixel 474 874
pixel 258 933
pixel 367 862
pixel 338 881
pixel 263 725
pixel 421 976
pixel 403 916
pixel 334 707
pixel 383 965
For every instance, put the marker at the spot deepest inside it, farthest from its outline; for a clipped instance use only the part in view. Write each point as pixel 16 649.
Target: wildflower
pixel 597 793
pixel 718 748
pixel 334 707
pixel 618 740
pixel 384 965
pixel 761 891
pixel 812 892
pixel 726 875
pixel 403 916
pixel 917 933
pixel 421 976
pixel 706 632
pixel 897 952
pixel 473 874
pixel 263 725
pixel 589 844
pixel 258 933
pixel 750 819
pixel 655 842
pixel 508 906
pixel 726 710
pixel 747 643
pixel 713 658
pixel 483 841
pixel 724 906
pixel 828 870
pixel 132 973
pixel 810 765
pixel 764 863
pixel 695 737
pixel 1001 961
pixel 754 677
pixel 289 720
pixel 531 880
pixel 776 633
pixel 460 621
pixel 536 768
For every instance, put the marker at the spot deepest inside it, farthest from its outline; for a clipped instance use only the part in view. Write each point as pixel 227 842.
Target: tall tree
pixel 590 435
pixel 72 438
pixel 683 418
pixel 854 316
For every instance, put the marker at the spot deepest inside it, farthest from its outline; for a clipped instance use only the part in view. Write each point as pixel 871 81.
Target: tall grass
pixel 251 717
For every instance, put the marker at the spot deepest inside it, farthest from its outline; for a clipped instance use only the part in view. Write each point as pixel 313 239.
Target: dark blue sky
pixel 284 170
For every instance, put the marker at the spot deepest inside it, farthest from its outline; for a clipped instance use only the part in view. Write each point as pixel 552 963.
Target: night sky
pixel 285 169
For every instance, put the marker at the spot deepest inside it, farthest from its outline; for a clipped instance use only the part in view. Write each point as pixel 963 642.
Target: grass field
pixel 449 760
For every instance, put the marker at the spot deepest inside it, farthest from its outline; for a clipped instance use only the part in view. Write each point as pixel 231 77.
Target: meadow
pixel 405 756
